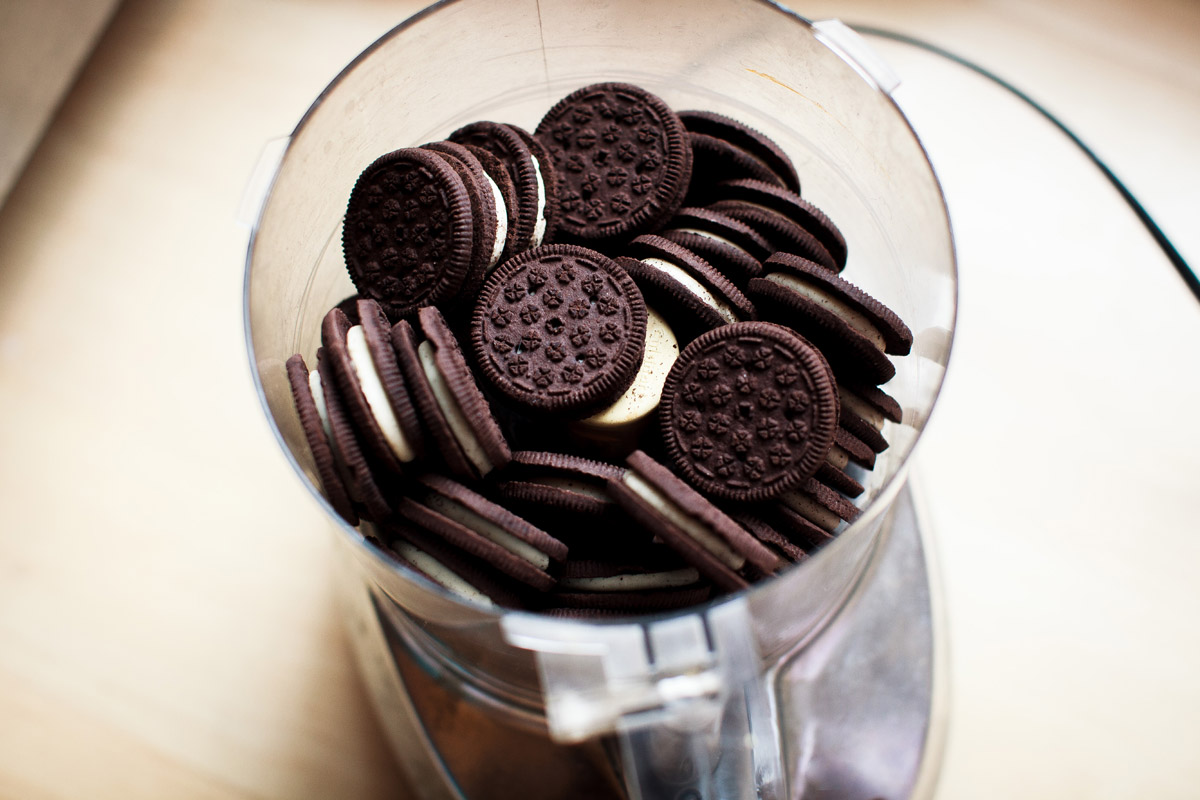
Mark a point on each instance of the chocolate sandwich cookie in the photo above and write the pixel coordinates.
(749, 411)
(691, 525)
(693, 295)
(769, 534)
(734, 248)
(491, 231)
(469, 578)
(819, 505)
(372, 389)
(635, 588)
(849, 449)
(308, 395)
(504, 194)
(524, 168)
(623, 161)
(791, 205)
(409, 233)
(358, 475)
(837, 477)
(559, 329)
(457, 396)
(715, 160)
(853, 329)
(749, 140)
(483, 529)
(783, 234)
(558, 480)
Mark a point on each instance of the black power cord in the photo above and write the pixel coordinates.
(1172, 254)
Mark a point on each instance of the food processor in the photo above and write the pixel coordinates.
(825, 681)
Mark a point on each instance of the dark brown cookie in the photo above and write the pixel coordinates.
(445, 445)
(561, 481)
(309, 404)
(484, 530)
(546, 225)
(471, 579)
(753, 142)
(489, 233)
(820, 505)
(559, 329)
(377, 332)
(734, 263)
(507, 145)
(715, 160)
(409, 233)
(691, 525)
(504, 194)
(623, 161)
(749, 411)
(839, 479)
(784, 235)
(792, 206)
(769, 534)
(722, 227)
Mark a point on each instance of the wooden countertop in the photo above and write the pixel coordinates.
(167, 618)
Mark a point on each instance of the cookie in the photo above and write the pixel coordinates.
(719, 227)
(853, 329)
(458, 397)
(491, 230)
(523, 168)
(783, 234)
(715, 160)
(748, 139)
(692, 295)
(749, 411)
(377, 332)
(791, 205)
(769, 535)
(360, 385)
(483, 529)
(504, 194)
(731, 261)
(309, 398)
(690, 524)
(623, 161)
(558, 480)
(408, 236)
(559, 329)
(634, 586)
(839, 479)
(819, 505)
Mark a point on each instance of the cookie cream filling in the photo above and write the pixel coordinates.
(677, 516)
(715, 238)
(318, 394)
(376, 395)
(576, 485)
(856, 405)
(838, 457)
(826, 301)
(680, 276)
(486, 528)
(539, 225)
(459, 426)
(501, 222)
(633, 581)
(441, 574)
(811, 510)
(642, 396)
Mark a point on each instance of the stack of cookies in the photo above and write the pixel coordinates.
(607, 367)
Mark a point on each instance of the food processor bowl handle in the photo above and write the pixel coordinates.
(687, 698)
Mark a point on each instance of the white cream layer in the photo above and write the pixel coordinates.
(856, 405)
(318, 394)
(501, 222)
(487, 529)
(446, 401)
(575, 485)
(642, 396)
(826, 301)
(811, 510)
(838, 457)
(680, 276)
(539, 226)
(693, 528)
(633, 582)
(441, 574)
(376, 395)
(715, 238)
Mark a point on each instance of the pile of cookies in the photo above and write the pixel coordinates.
(606, 367)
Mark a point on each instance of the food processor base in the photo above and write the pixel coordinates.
(871, 688)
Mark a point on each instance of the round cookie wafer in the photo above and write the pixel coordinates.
(408, 235)
(490, 231)
(508, 146)
(377, 333)
(504, 195)
(458, 396)
(360, 479)
(734, 263)
(792, 206)
(559, 329)
(839, 479)
(752, 141)
(560, 481)
(715, 160)
(309, 400)
(749, 411)
(546, 225)
(470, 578)
(783, 234)
(819, 505)
(623, 161)
(446, 446)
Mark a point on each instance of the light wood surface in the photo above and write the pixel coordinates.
(167, 620)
